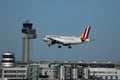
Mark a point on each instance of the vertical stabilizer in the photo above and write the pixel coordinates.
(85, 34)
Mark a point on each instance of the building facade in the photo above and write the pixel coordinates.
(12, 70)
(15, 73)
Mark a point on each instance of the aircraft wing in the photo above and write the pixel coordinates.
(56, 40)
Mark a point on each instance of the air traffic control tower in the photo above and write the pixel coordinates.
(29, 34)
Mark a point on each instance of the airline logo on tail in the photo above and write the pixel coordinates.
(85, 34)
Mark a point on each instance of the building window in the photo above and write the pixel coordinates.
(9, 71)
(8, 61)
(8, 56)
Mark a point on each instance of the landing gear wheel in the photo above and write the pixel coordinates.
(69, 47)
(59, 46)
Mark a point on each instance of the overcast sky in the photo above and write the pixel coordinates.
(62, 17)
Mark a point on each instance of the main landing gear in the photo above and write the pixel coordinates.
(69, 47)
(59, 46)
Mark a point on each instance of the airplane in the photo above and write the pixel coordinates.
(66, 40)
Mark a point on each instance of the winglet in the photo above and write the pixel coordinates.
(85, 34)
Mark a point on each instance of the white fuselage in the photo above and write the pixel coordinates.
(64, 39)
(67, 41)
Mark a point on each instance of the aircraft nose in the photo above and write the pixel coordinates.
(45, 39)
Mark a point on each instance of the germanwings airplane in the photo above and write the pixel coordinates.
(67, 41)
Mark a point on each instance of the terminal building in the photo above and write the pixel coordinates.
(56, 70)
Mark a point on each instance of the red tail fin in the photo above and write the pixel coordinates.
(85, 34)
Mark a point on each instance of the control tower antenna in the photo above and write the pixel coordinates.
(29, 33)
